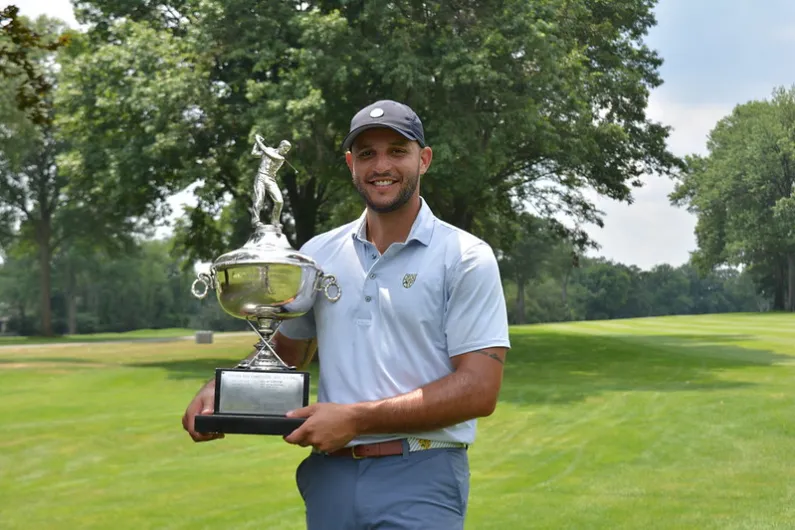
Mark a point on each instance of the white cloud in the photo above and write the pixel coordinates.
(691, 123)
(651, 231)
(177, 204)
(61, 9)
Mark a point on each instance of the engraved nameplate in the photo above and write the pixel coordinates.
(259, 392)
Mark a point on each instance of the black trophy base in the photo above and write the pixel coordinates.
(246, 424)
(255, 401)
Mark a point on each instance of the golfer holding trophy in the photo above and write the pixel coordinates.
(411, 349)
(264, 282)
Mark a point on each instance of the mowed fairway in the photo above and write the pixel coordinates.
(676, 422)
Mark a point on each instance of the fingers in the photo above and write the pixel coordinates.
(300, 436)
(197, 406)
(303, 412)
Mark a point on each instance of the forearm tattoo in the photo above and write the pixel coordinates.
(491, 355)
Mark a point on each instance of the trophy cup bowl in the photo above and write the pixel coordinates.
(265, 279)
(263, 282)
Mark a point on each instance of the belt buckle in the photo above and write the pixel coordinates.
(354, 455)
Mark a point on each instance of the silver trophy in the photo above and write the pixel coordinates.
(264, 282)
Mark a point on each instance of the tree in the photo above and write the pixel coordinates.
(742, 193)
(41, 207)
(669, 291)
(543, 246)
(30, 184)
(525, 103)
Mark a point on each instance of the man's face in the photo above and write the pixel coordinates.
(386, 168)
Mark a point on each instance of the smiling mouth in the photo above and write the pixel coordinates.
(382, 183)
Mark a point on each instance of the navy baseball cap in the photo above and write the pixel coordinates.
(390, 114)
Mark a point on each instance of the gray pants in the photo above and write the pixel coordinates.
(425, 490)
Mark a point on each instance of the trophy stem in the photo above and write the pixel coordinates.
(265, 357)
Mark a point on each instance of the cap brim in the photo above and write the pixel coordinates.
(346, 144)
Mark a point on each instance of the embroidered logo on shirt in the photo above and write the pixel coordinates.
(408, 280)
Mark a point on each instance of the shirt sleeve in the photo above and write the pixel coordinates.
(300, 328)
(476, 315)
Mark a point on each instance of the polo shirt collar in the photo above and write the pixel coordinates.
(421, 231)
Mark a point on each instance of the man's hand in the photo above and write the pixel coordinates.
(329, 426)
(203, 403)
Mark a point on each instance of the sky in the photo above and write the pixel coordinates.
(717, 54)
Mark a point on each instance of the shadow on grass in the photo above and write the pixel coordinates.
(49, 360)
(80, 339)
(557, 367)
(201, 369)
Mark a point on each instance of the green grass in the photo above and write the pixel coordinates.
(676, 422)
(99, 337)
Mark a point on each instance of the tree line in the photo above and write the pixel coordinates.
(526, 104)
(146, 288)
(550, 277)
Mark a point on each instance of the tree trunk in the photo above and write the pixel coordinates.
(564, 288)
(44, 237)
(779, 292)
(520, 303)
(71, 299)
(46, 287)
(303, 207)
(21, 327)
(791, 282)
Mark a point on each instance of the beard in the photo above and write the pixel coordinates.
(408, 186)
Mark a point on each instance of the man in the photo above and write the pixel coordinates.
(265, 181)
(410, 355)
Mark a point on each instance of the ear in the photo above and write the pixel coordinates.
(426, 155)
(349, 160)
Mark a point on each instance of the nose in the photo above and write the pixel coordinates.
(382, 164)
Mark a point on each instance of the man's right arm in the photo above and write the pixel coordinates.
(294, 352)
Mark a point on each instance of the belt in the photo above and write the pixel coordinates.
(391, 448)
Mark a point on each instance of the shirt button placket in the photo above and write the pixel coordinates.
(370, 286)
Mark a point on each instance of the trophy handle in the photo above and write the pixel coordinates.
(205, 280)
(328, 283)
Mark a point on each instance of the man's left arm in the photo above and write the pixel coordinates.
(476, 328)
(471, 391)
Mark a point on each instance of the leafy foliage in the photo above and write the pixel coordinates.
(743, 193)
(525, 104)
(19, 44)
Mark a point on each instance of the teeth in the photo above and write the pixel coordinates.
(382, 182)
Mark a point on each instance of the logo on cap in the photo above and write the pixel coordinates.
(376, 113)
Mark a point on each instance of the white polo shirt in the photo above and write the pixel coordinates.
(402, 315)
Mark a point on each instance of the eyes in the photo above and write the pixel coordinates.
(393, 151)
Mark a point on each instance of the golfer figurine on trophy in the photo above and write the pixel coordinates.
(264, 282)
(265, 181)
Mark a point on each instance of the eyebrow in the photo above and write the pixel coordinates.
(397, 143)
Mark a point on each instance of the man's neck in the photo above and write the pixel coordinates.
(383, 229)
